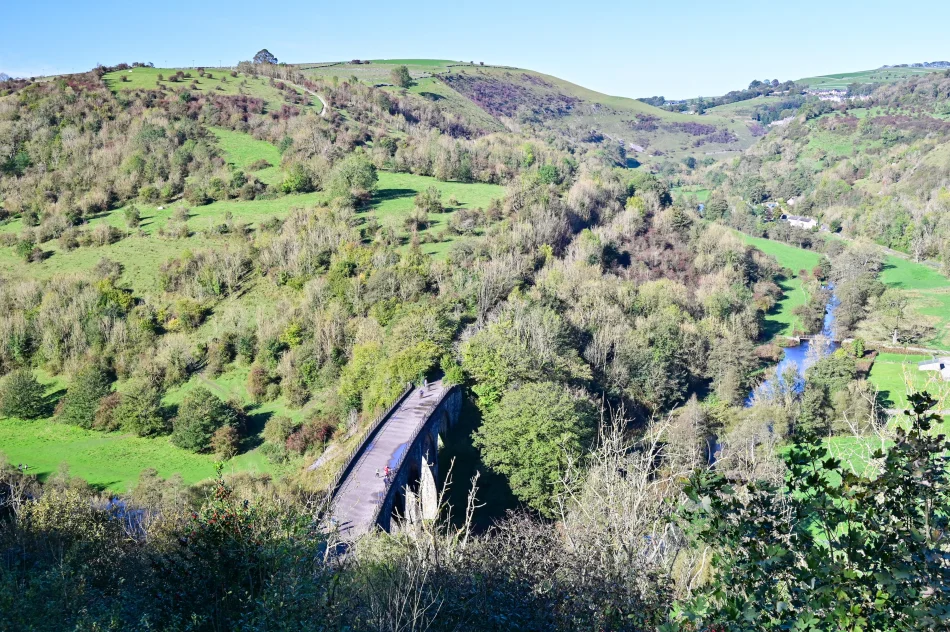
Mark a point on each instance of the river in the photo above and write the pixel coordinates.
(801, 354)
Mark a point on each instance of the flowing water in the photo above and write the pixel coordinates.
(801, 357)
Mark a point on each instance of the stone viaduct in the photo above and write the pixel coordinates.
(406, 440)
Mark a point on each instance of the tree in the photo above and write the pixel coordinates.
(225, 442)
(82, 399)
(401, 77)
(531, 435)
(264, 56)
(22, 396)
(199, 416)
(354, 176)
(830, 549)
(140, 411)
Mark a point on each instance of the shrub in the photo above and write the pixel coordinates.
(22, 396)
(257, 381)
(225, 442)
(104, 418)
(314, 433)
(140, 411)
(132, 217)
(81, 402)
(353, 177)
(278, 428)
(199, 416)
(297, 180)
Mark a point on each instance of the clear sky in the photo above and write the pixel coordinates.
(628, 48)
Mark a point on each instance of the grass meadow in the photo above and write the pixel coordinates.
(781, 321)
(221, 82)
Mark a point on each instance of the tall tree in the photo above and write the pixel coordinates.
(530, 436)
(264, 56)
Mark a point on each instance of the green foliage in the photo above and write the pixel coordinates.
(400, 76)
(81, 402)
(831, 549)
(297, 180)
(352, 177)
(140, 410)
(21, 395)
(503, 353)
(199, 416)
(530, 435)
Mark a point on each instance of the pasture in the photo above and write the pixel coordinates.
(781, 321)
(929, 293)
(896, 375)
(841, 81)
(113, 460)
(221, 82)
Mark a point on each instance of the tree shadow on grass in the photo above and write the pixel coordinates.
(254, 427)
(51, 401)
(383, 195)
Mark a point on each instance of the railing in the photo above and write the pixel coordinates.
(380, 502)
(367, 434)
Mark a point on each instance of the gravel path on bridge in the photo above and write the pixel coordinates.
(355, 504)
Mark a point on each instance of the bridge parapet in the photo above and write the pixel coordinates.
(403, 441)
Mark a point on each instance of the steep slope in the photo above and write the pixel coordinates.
(628, 130)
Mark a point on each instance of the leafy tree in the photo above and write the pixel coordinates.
(354, 176)
(830, 549)
(199, 416)
(140, 411)
(297, 180)
(82, 399)
(530, 435)
(264, 56)
(22, 396)
(401, 77)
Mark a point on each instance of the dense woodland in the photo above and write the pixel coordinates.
(608, 335)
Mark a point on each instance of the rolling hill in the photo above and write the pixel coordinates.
(501, 97)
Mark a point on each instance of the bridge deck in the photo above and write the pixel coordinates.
(355, 503)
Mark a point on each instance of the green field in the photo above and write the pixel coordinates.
(113, 460)
(929, 292)
(395, 197)
(242, 150)
(221, 83)
(840, 81)
(781, 321)
(896, 375)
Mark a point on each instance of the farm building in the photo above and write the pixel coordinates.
(800, 221)
(937, 364)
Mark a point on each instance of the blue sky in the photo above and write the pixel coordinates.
(633, 48)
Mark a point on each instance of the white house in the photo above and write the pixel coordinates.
(937, 364)
(800, 221)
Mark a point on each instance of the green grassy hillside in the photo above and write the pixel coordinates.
(499, 97)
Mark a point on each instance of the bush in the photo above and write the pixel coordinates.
(140, 411)
(257, 381)
(104, 418)
(316, 432)
(81, 402)
(199, 416)
(278, 428)
(132, 217)
(353, 177)
(297, 180)
(22, 396)
(225, 442)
